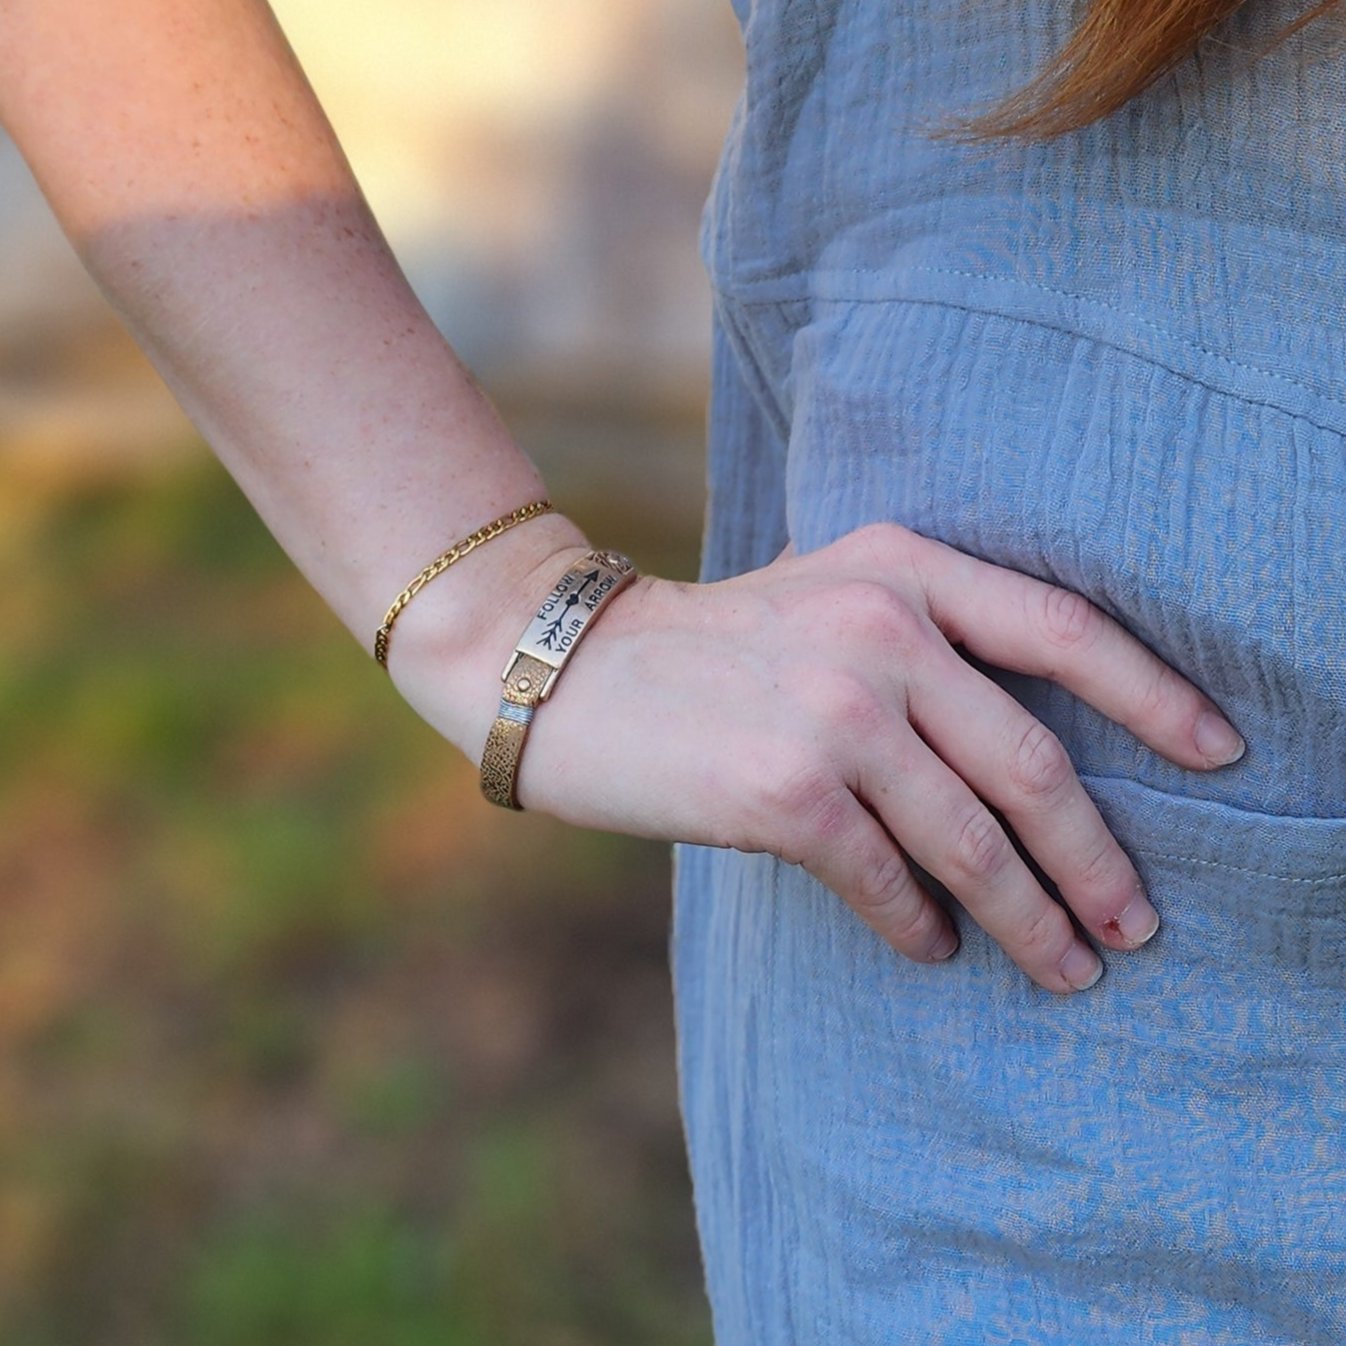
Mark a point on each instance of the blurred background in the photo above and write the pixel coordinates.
(301, 1041)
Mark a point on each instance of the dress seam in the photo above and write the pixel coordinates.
(805, 294)
(1238, 869)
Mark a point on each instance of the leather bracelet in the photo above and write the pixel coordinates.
(542, 651)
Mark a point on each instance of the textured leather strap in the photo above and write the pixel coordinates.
(504, 744)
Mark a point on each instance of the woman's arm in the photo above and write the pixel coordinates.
(815, 709)
(190, 164)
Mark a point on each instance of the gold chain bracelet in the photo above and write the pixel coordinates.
(442, 562)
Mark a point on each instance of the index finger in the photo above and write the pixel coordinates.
(1025, 624)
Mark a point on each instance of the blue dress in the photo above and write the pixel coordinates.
(1115, 361)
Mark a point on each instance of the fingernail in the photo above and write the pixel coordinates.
(1217, 740)
(1138, 921)
(1081, 967)
(945, 947)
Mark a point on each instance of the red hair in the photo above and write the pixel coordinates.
(1118, 49)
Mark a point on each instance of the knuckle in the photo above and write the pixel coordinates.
(981, 849)
(882, 895)
(846, 701)
(804, 803)
(1105, 866)
(1069, 620)
(888, 539)
(826, 817)
(1040, 764)
(880, 614)
(1159, 691)
(1045, 936)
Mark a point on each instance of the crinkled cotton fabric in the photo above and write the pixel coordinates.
(1115, 361)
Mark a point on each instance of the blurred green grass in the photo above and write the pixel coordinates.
(302, 1042)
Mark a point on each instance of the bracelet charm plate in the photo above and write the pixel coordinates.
(566, 612)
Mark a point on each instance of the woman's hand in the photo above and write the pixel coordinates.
(816, 709)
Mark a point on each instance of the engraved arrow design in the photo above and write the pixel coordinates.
(552, 631)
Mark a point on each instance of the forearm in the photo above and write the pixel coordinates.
(189, 163)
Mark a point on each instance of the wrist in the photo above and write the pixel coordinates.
(453, 639)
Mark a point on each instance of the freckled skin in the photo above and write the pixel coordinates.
(190, 164)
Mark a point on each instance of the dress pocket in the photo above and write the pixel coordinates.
(1253, 907)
